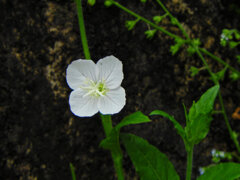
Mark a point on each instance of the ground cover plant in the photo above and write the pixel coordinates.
(97, 88)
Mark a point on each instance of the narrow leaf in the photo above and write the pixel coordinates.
(200, 116)
(222, 171)
(149, 162)
(134, 118)
(177, 126)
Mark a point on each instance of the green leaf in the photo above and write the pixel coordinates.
(223, 171)
(149, 162)
(177, 126)
(200, 116)
(233, 44)
(112, 140)
(91, 2)
(134, 118)
(143, 1)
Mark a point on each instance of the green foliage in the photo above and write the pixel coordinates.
(234, 76)
(72, 171)
(149, 162)
(217, 156)
(222, 171)
(228, 36)
(220, 75)
(107, 3)
(158, 19)
(91, 2)
(194, 71)
(134, 118)
(112, 141)
(143, 1)
(177, 126)
(178, 43)
(200, 116)
(150, 33)
(238, 58)
(195, 43)
(130, 24)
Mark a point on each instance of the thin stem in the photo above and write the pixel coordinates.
(106, 119)
(221, 102)
(116, 151)
(82, 30)
(72, 171)
(172, 17)
(107, 124)
(144, 20)
(207, 67)
(189, 162)
(219, 60)
(227, 123)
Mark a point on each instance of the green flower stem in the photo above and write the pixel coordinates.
(82, 30)
(144, 20)
(107, 124)
(189, 162)
(116, 151)
(219, 60)
(172, 17)
(106, 119)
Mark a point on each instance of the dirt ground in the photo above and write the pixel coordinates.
(39, 136)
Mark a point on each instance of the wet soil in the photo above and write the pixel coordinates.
(39, 136)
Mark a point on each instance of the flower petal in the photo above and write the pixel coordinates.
(110, 70)
(80, 70)
(113, 101)
(82, 106)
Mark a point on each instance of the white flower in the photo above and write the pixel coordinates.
(96, 87)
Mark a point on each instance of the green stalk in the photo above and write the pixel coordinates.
(106, 119)
(116, 151)
(82, 30)
(189, 162)
(235, 141)
(72, 171)
(144, 20)
(172, 17)
(228, 124)
(219, 60)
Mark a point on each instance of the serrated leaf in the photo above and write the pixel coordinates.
(149, 162)
(177, 126)
(134, 118)
(222, 171)
(200, 116)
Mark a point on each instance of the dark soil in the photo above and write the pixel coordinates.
(39, 136)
